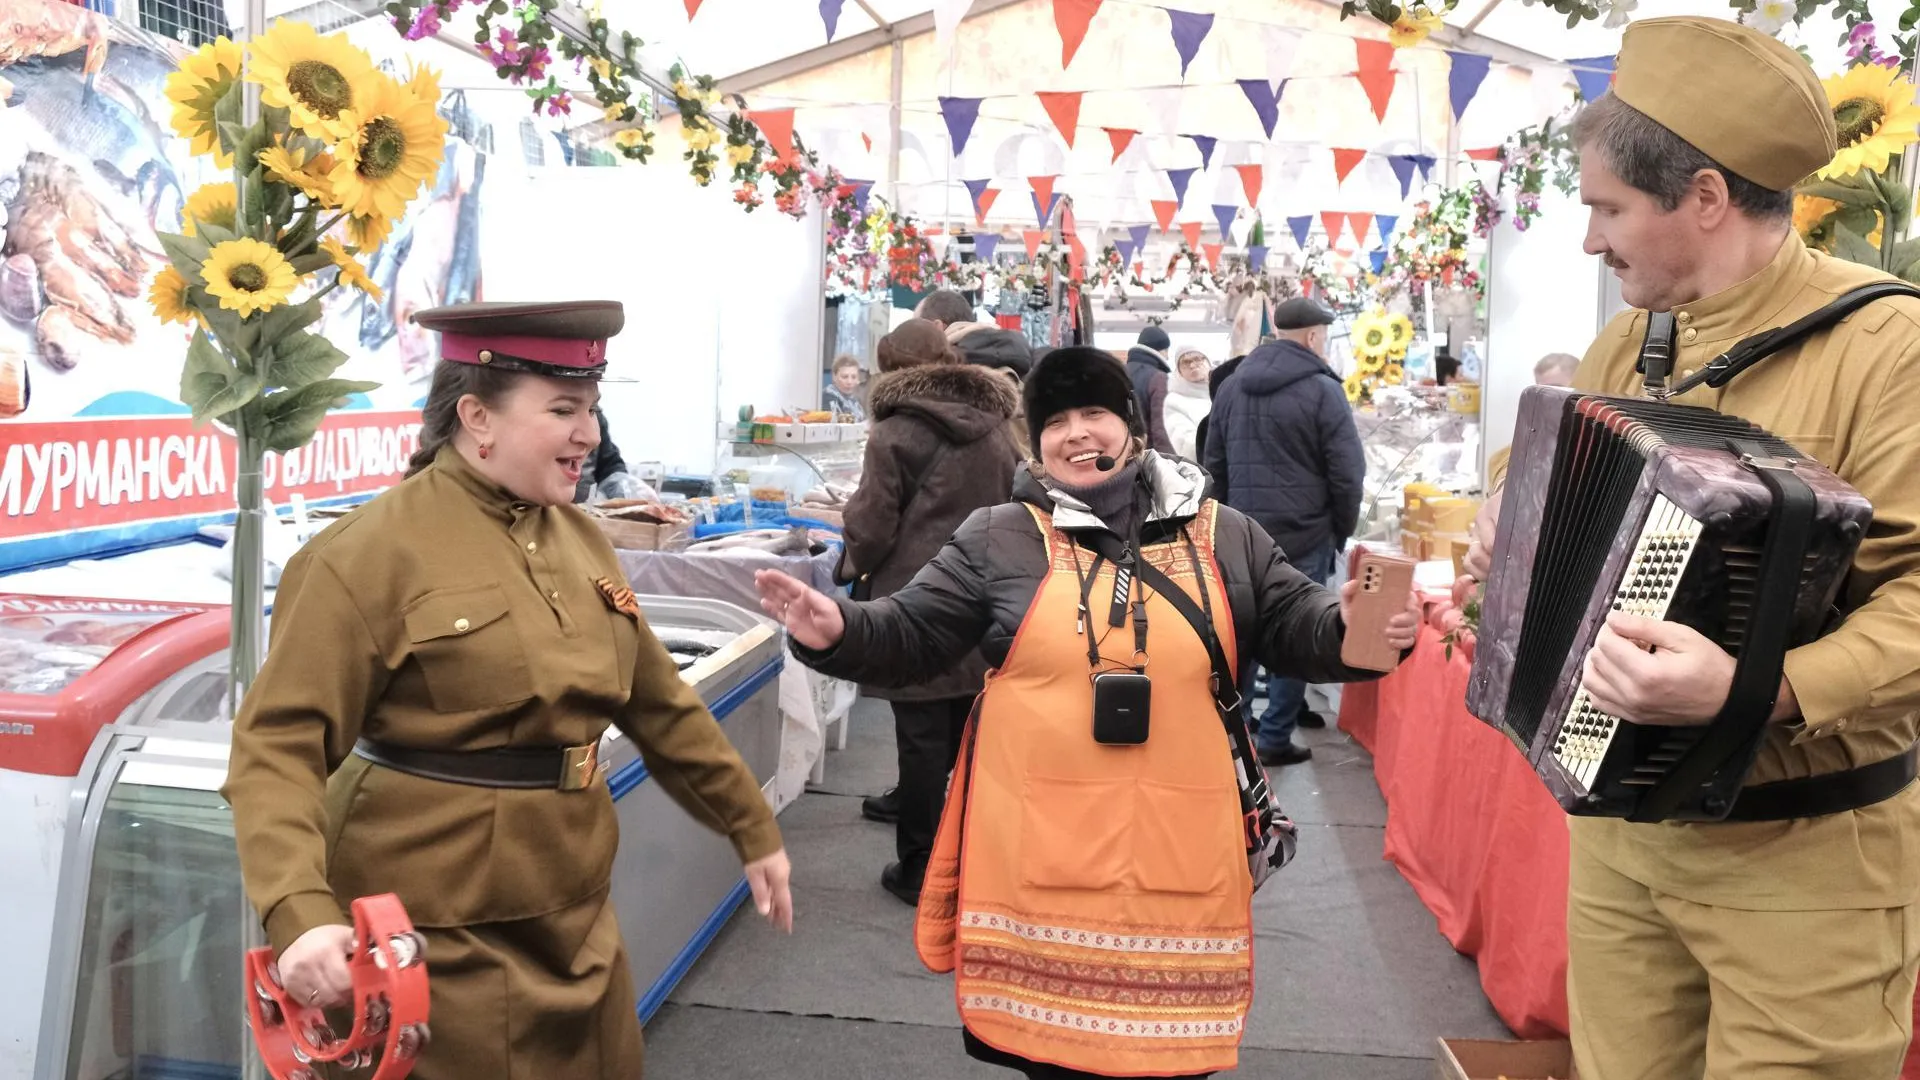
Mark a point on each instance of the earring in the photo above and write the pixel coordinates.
(485, 449)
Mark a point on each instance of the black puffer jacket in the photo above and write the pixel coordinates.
(1282, 442)
(976, 592)
(937, 451)
(1149, 371)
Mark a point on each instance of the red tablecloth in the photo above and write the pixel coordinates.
(1475, 833)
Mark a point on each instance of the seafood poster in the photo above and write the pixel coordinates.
(96, 451)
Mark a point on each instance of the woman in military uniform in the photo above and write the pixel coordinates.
(444, 663)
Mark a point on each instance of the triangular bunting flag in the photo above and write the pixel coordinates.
(1165, 102)
(777, 126)
(1376, 73)
(1281, 43)
(861, 189)
(1594, 74)
(1386, 223)
(1225, 214)
(693, 8)
(984, 245)
(959, 113)
(1463, 80)
(1042, 196)
(974, 188)
(1033, 238)
(1251, 177)
(1138, 234)
(1125, 248)
(1189, 30)
(1257, 258)
(868, 140)
(1402, 171)
(1358, 223)
(1044, 212)
(1265, 98)
(830, 14)
(1300, 227)
(1190, 232)
(1485, 153)
(1426, 163)
(1163, 210)
(1378, 257)
(1334, 221)
(1179, 178)
(983, 204)
(1345, 160)
(1064, 107)
(1072, 17)
(946, 19)
(1121, 139)
(1213, 255)
(1206, 144)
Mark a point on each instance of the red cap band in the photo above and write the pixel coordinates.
(560, 352)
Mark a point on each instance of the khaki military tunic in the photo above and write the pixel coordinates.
(1806, 927)
(448, 615)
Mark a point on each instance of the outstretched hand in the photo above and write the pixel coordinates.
(772, 896)
(1403, 629)
(812, 619)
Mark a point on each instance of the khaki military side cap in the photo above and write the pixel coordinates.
(1737, 95)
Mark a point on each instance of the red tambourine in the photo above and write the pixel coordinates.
(389, 967)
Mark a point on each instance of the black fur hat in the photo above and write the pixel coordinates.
(1074, 378)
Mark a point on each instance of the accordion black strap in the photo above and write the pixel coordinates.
(1750, 351)
(1829, 793)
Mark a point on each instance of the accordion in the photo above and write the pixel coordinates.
(1668, 512)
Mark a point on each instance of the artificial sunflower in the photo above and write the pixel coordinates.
(424, 83)
(1399, 333)
(310, 171)
(1354, 384)
(1810, 214)
(196, 89)
(393, 145)
(316, 79)
(1874, 111)
(214, 204)
(248, 275)
(351, 271)
(1370, 336)
(367, 233)
(169, 298)
(1392, 374)
(1371, 363)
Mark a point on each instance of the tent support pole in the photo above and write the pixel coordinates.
(893, 122)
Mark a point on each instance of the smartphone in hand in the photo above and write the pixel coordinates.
(1385, 580)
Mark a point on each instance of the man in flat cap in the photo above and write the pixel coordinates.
(1778, 944)
(1282, 442)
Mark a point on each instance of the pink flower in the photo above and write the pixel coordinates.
(425, 24)
(560, 104)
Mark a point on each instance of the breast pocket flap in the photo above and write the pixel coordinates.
(455, 613)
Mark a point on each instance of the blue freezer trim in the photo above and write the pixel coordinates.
(106, 541)
(656, 994)
(634, 773)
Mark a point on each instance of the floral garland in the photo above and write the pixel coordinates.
(1531, 159)
(1433, 246)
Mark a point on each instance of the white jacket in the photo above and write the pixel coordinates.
(1186, 403)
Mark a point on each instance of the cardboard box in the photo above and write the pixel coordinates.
(1486, 1059)
(1413, 544)
(643, 535)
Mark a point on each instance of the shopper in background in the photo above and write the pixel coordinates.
(1059, 839)
(1147, 368)
(1283, 435)
(445, 660)
(1004, 351)
(1188, 401)
(842, 394)
(1555, 369)
(937, 450)
(1215, 380)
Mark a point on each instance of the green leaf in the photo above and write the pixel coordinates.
(188, 253)
(211, 385)
(228, 111)
(1853, 247)
(214, 235)
(1906, 252)
(1849, 190)
(292, 416)
(307, 264)
(240, 337)
(303, 359)
(288, 319)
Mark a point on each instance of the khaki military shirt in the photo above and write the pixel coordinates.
(448, 615)
(1851, 399)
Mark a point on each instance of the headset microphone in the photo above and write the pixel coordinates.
(1104, 463)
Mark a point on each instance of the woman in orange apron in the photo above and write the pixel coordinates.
(1089, 886)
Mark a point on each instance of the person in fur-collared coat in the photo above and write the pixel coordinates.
(937, 450)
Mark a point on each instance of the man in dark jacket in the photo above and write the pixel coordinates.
(938, 450)
(1147, 367)
(1215, 381)
(1283, 439)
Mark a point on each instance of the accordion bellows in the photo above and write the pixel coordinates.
(1655, 509)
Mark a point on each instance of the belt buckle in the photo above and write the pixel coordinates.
(579, 766)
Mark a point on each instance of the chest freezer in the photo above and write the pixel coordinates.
(142, 932)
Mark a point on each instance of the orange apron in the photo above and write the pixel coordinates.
(1095, 900)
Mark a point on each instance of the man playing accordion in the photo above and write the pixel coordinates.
(1751, 949)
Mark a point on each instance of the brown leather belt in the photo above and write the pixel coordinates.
(1830, 793)
(564, 768)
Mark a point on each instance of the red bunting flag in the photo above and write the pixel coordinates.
(1163, 212)
(1064, 108)
(1345, 160)
(1213, 254)
(1033, 238)
(1251, 177)
(1043, 190)
(1358, 223)
(1333, 220)
(1072, 17)
(983, 204)
(868, 139)
(1121, 139)
(777, 126)
(1486, 153)
(693, 8)
(1191, 231)
(1376, 73)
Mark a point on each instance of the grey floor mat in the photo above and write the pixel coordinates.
(1352, 978)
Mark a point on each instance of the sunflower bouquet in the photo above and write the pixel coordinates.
(338, 151)
(1380, 344)
(1856, 207)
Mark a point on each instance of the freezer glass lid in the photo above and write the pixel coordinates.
(44, 653)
